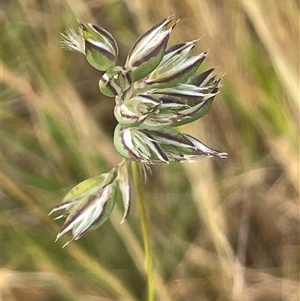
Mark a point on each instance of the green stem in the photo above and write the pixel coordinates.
(145, 228)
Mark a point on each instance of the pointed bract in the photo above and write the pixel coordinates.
(148, 51)
(97, 44)
(163, 145)
(101, 49)
(133, 111)
(88, 205)
(176, 66)
(124, 189)
(115, 81)
(158, 108)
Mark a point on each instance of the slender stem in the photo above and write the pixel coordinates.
(145, 228)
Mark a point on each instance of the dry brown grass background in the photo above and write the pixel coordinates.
(221, 229)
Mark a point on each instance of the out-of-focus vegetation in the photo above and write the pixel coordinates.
(221, 229)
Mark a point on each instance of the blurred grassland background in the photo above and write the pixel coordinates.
(221, 229)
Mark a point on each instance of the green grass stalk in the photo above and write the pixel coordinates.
(145, 228)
